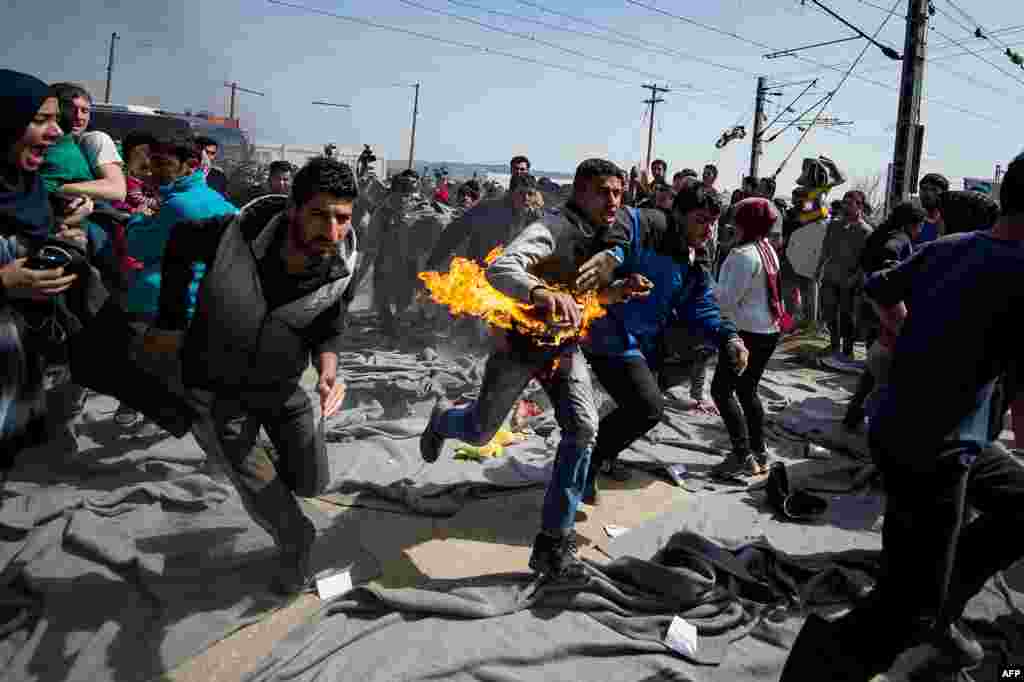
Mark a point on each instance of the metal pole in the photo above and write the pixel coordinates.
(415, 113)
(110, 66)
(909, 112)
(755, 146)
(234, 94)
(650, 129)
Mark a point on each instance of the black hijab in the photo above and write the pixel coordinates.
(24, 204)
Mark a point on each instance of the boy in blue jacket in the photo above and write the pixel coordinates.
(184, 197)
(622, 347)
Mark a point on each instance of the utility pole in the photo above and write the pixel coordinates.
(650, 130)
(909, 132)
(235, 87)
(755, 143)
(110, 66)
(415, 114)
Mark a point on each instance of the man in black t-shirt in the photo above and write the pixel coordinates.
(959, 304)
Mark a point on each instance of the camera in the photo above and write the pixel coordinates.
(49, 258)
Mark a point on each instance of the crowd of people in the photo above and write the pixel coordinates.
(128, 252)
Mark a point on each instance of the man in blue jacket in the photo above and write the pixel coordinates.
(622, 347)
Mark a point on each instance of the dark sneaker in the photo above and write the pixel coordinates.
(854, 418)
(431, 441)
(295, 575)
(555, 557)
(736, 466)
(616, 471)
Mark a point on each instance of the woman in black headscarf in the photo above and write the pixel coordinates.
(28, 127)
(46, 308)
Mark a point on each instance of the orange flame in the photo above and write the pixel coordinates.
(465, 291)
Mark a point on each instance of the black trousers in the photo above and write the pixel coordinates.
(639, 404)
(919, 518)
(229, 431)
(735, 395)
(837, 306)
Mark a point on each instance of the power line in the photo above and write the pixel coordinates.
(832, 95)
(525, 36)
(704, 26)
(633, 42)
(990, 63)
(446, 41)
(818, 64)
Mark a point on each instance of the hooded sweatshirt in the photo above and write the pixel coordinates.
(25, 220)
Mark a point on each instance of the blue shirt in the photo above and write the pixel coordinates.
(964, 300)
(683, 293)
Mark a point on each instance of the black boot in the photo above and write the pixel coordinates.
(555, 556)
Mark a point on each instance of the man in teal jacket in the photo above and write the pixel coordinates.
(185, 197)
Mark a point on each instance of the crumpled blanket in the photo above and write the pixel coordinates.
(513, 626)
(121, 557)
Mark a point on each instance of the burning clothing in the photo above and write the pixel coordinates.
(551, 251)
(546, 253)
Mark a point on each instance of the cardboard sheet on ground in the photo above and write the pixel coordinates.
(124, 559)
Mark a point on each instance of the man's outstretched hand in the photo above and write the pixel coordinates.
(634, 286)
(597, 272)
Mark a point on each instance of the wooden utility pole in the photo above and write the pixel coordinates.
(415, 114)
(650, 130)
(235, 87)
(110, 66)
(909, 131)
(755, 142)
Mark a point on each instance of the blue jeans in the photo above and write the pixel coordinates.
(506, 376)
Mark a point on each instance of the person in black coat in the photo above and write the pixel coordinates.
(888, 245)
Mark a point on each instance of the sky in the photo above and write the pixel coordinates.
(485, 107)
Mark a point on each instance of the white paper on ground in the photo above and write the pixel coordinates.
(615, 531)
(682, 637)
(333, 584)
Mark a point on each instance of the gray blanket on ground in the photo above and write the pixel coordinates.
(511, 627)
(851, 525)
(126, 557)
